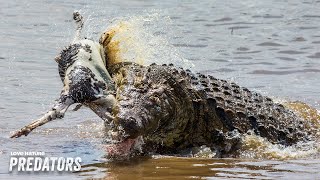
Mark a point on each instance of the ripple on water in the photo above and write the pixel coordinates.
(311, 16)
(316, 55)
(199, 20)
(223, 19)
(250, 63)
(299, 39)
(247, 52)
(269, 44)
(190, 45)
(239, 27)
(41, 24)
(232, 24)
(219, 60)
(268, 16)
(308, 47)
(224, 70)
(308, 27)
(242, 57)
(268, 72)
(291, 52)
(287, 59)
(243, 49)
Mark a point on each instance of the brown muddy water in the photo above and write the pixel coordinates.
(272, 47)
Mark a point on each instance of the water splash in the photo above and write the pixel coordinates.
(258, 147)
(305, 112)
(143, 39)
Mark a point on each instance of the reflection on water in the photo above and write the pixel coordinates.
(159, 167)
(268, 46)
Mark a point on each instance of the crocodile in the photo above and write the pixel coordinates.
(170, 109)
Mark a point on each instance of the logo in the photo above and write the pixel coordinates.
(38, 162)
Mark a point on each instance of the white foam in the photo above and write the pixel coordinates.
(145, 39)
(257, 147)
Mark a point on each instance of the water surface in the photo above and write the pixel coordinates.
(272, 47)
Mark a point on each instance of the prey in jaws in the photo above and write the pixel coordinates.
(169, 108)
(85, 79)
